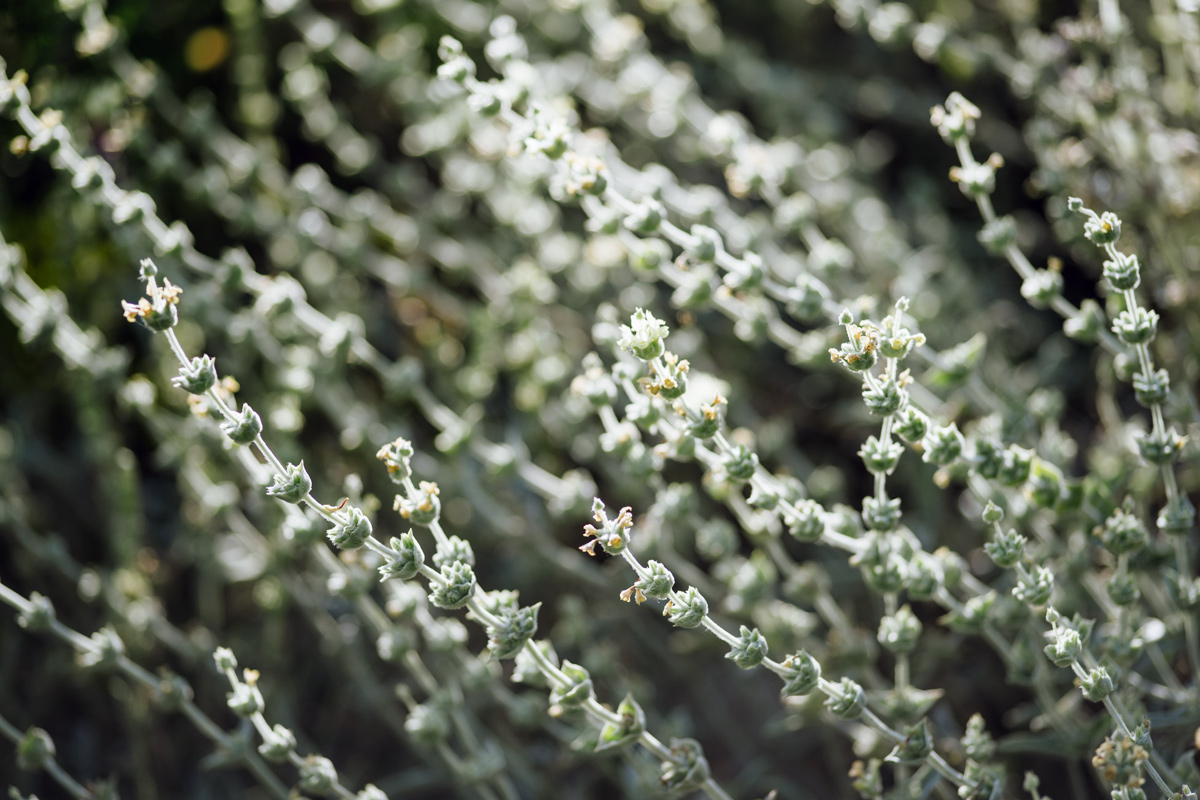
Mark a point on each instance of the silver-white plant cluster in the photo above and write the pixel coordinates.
(427, 289)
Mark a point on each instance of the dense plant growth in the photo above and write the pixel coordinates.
(855, 343)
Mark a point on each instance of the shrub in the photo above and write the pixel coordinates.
(904, 470)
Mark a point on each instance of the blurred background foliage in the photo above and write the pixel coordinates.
(310, 141)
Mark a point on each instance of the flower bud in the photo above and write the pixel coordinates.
(244, 428)
(1136, 326)
(35, 750)
(1123, 532)
(884, 397)
(975, 180)
(848, 700)
(1006, 548)
(806, 300)
(1065, 646)
(1034, 588)
(740, 465)
(705, 245)
(807, 522)
(456, 66)
(910, 424)
(916, 747)
(292, 486)
(689, 611)
(246, 700)
(943, 445)
(621, 734)
(709, 422)
(749, 650)
(1042, 286)
(392, 644)
(39, 615)
(451, 550)
(107, 650)
(881, 514)
(643, 336)
(277, 744)
(657, 582)
(351, 531)
(880, 457)
(955, 120)
(224, 658)
(428, 726)
(1152, 389)
(575, 693)
(1045, 486)
(1015, 466)
(1161, 449)
(1086, 324)
(972, 616)
(802, 674)
(197, 377)
(688, 769)
(650, 254)
(899, 632)
(1103, 229)
(1123, 273)
(456, 587)
(645, 217)
(1177, 516)
(613, 534)
(397, 457)
(172, 692)
(998, 235)
(514, 628)
(423, 508)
